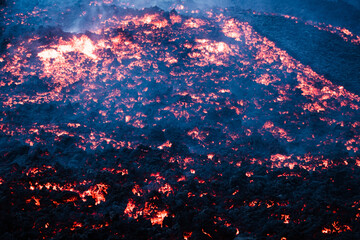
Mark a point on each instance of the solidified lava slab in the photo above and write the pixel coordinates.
(158, 125)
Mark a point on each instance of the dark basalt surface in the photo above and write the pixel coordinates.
(314, 199)
(329, 55)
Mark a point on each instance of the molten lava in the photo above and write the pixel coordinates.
(158, 125)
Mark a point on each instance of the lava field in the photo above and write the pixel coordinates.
(176, 124)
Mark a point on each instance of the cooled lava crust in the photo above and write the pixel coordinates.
(158, 125)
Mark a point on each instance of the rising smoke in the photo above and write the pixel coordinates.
(68, 14)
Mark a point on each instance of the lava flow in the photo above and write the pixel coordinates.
(161, 125)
